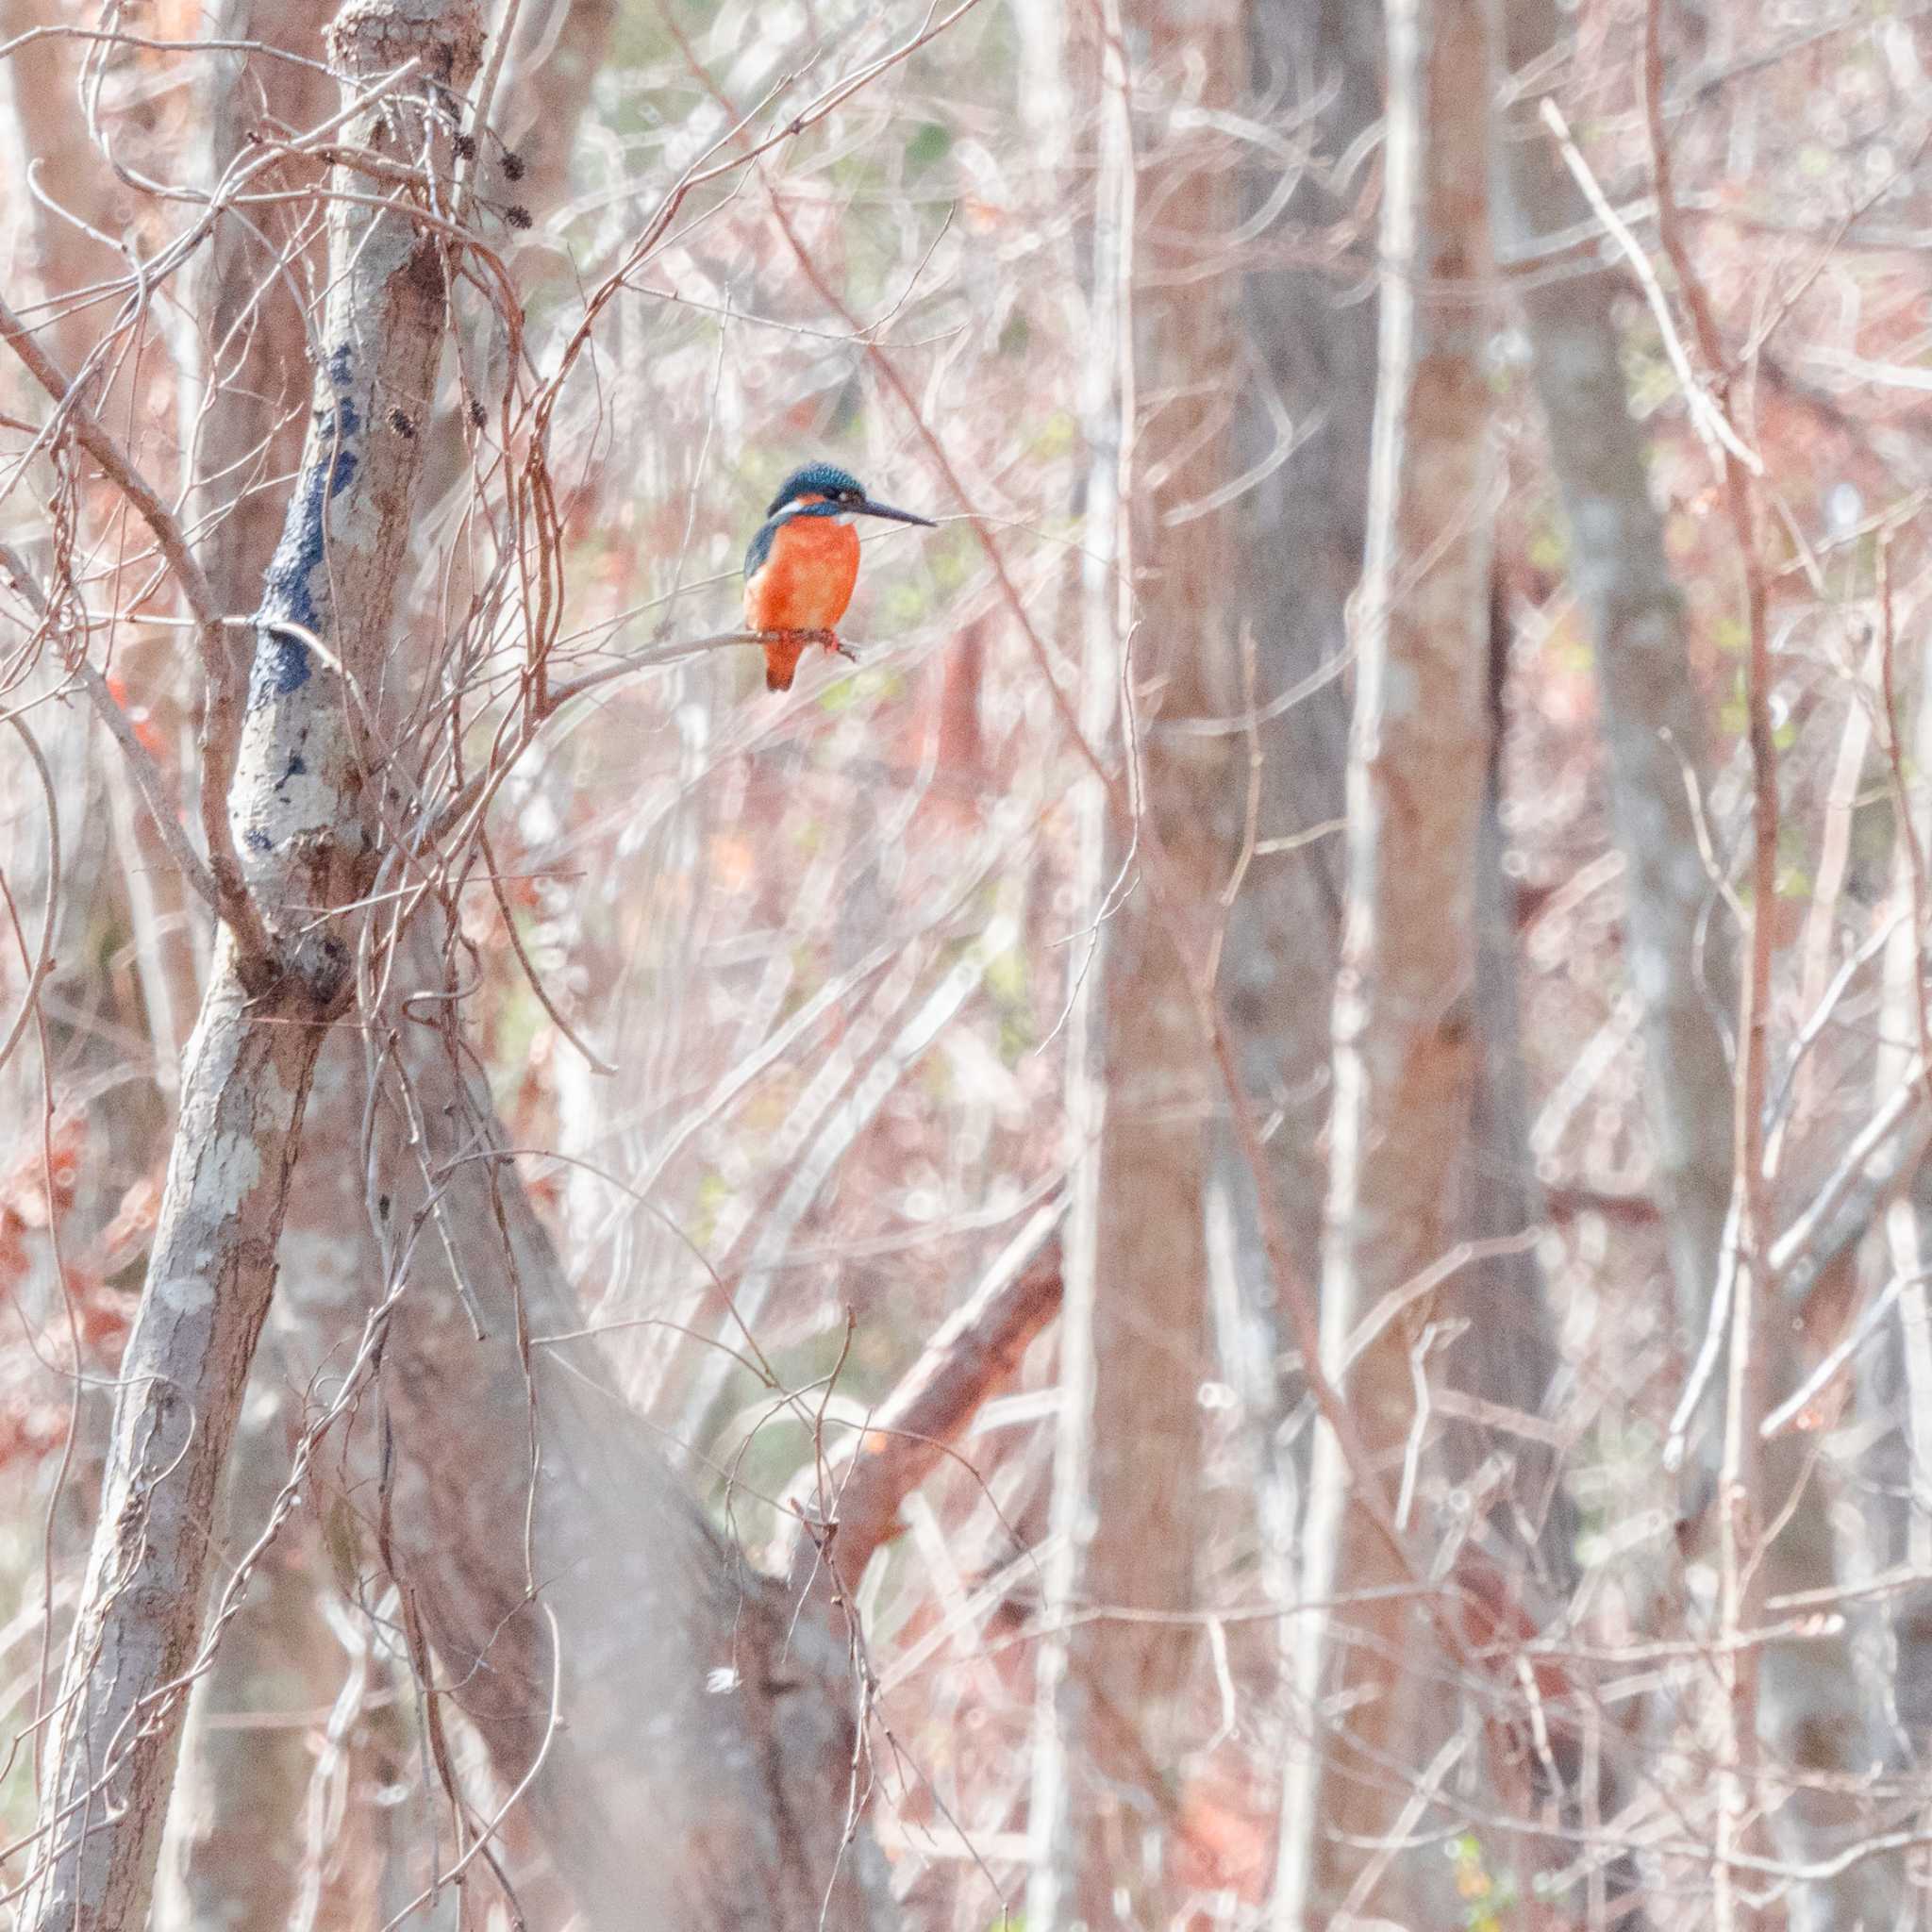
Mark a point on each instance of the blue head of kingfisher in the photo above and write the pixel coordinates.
(804, 561)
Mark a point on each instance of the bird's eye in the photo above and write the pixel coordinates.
(852, 496)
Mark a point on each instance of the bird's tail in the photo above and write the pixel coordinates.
(781, 662)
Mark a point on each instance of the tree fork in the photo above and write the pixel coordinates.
(306, 834)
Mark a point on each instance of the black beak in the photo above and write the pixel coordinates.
(870, 508)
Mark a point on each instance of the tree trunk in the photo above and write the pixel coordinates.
(1653, 720)
(1510, 1510)
(55, 258)
(255, 1719)
(1677, 960)
(697, 1731)
(1310, 382)
(1404, 1019)
(251, 388)
(63, 256)
(1127, 1499)
(253, 376)
(297, 805)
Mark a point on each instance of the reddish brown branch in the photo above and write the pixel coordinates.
(848, 1505)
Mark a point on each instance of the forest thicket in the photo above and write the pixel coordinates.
(1231, 1237)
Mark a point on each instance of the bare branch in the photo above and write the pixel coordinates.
(848, 1507)
(223, 676)
(302, 800)
(147, 776)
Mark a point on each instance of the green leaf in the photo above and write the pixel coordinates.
(932, 143)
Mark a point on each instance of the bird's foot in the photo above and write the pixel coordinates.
(783, 649)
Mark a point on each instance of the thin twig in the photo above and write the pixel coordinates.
(43, 960)
(1706, 417)
(1741, 1472)
(225, 686)
(147, 775)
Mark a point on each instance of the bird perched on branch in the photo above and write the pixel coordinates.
(803, 563)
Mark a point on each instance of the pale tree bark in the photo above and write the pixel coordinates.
(1894, 1388)
(555, 51)
(1104, 604)
(1513, 1363)
(254, 1720)
(281, 975)
(1404, 1020)
(66, 229)
(1301, 448)
(247, 403)
(1501, 1479)
(1891, 1556)
(1898, 1375)
(1819, 1725)
(251, 382)
(1498, 1492)
(1680, 960)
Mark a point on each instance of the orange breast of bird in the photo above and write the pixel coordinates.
(806, 582)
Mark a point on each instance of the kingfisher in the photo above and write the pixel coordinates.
(803, 563)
